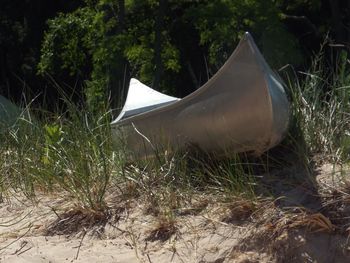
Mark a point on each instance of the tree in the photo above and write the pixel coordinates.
(173, 46)
(99, 35)
(22, 24)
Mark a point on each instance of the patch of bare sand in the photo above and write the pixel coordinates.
(24, 237)
(30, 233)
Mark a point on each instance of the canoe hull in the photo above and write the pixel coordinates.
(242, 108)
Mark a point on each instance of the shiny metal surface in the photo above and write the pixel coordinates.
(9, 112)
(141, 99)
(242, 108)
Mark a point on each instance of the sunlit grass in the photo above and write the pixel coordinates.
(71, 152)
(320, 110)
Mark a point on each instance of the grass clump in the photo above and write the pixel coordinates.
(78, 157)
(21, 156)
(70, 153)
(320, 109)
(164, 228)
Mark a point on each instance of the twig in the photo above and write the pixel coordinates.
(24, 251)
(23, 244)
(53, 209)
(14, 241)
(119, 229)
(81, 242)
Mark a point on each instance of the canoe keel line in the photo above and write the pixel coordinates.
(242, 108)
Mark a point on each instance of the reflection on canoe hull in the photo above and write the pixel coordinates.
(242, 108)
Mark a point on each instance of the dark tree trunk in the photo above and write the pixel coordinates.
(3, 71)
(159, 26)
(348, 21)
(121, 16)
(121, 84)
(116, 71)
(336, 21)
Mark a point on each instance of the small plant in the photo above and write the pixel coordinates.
(78, 157)
(72, 152)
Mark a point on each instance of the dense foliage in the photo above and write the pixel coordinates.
(173, 46)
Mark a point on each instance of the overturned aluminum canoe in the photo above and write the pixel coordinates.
(9, 112)
(242, 108)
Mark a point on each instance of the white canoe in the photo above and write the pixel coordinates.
(242, 108)
(9, 112)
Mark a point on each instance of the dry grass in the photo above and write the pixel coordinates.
(78, 220)
(300, 218)
(164, 229)
(239, 210)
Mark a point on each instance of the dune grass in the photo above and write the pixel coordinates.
(73, 153)
(320, 109)
(70, 152)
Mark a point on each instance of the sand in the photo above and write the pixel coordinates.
(29, 233)
(23, 238)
